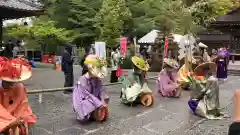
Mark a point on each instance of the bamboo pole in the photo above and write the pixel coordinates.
(62, 89)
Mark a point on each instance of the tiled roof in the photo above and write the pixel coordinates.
(233, 16)
(20, 5)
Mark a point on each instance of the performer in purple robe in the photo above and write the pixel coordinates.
(222, 64)
(90, 98)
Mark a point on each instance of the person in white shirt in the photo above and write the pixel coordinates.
(115, 62)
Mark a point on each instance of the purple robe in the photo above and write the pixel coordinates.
(166, 85)
(87, 95)
(222, 67)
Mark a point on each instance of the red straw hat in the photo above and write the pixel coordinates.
(14, 70)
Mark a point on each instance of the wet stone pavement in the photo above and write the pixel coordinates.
(165, 117)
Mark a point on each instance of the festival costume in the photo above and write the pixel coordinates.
(13, 101)
(204, 99)
(167, 83)
(89, 94)
(183, 73)
(136, 89)
(222, 64)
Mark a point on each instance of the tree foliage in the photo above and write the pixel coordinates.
(110, 20)
(42, 32)
(84, 21)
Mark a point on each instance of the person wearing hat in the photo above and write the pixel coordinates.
(67, 67)
(15, 112)
(222, 64)
(167, 83)
(90, 99)
(204, 97)
(136, 90)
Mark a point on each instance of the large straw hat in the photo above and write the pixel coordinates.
(14, 70)
(205, 66)
(140, 63)
(96, 66)
(172, 63)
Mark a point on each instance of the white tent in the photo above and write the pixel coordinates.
(149, 38)
(152, 35)
(177, 38)
(202, 45)
(20, 21)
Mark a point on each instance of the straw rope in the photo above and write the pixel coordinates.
(65, 88)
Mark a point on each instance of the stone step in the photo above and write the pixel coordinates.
(234, 72)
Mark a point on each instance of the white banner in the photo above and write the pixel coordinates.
(100, 49)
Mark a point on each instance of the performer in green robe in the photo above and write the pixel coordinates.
(135, 89)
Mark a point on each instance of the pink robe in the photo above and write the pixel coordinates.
(13, 105)
(165, 85)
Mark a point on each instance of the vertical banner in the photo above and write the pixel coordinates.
(100, 49)
(58, 63)
(166, 48)
(123, 45)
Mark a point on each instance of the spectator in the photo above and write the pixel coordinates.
(115, 61)
(8, 51)
(67, 67)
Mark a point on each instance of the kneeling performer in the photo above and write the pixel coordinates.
(90, 100)
(204, 100)
(167, 84)
(15, 113)
(136, 89)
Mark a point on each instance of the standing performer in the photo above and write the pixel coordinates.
(167, 83)
(136, 89)
(15, 113)
(115, 61)
(204, 99)
(90, 99)
(222, 65)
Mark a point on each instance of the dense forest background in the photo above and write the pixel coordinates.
(82, 22)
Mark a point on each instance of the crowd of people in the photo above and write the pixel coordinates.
(90, 97)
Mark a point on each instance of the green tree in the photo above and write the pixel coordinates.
(75, 15)
(41, 33)
(110, 20)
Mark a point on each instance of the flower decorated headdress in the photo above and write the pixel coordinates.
(96, 66)
(140, 63)
(172, 63)
(14, 70)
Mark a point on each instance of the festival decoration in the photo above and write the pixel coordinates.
(166, 48)
(123, 46)
(186, 46)
(100, 49)
(15, 69)
(58, 62)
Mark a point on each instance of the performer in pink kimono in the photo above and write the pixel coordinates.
(167, 83)
(90, 99)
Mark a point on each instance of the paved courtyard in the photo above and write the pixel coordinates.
(166, 117)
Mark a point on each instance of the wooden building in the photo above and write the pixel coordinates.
(14, 9)
(214, 39)
(224, 31)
